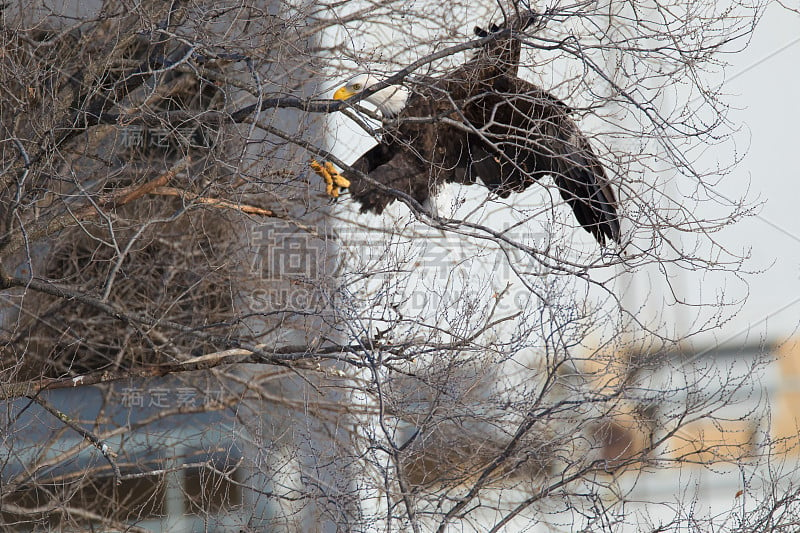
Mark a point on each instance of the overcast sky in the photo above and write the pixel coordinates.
(764, 84)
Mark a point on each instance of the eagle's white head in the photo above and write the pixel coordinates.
(389, 100)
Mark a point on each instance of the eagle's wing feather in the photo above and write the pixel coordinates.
(582, 182)
(402, 172)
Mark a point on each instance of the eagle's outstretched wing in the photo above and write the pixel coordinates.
(522, 134)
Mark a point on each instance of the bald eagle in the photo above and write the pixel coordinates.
(477, 123)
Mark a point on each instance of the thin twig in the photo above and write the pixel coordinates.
(86, 434)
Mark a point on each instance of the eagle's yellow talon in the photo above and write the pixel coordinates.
(333, 180)
(315, 166)
(338, 180)
(331, 190)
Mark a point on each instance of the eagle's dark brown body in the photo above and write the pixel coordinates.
(483, 122)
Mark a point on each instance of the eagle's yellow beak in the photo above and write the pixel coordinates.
(343, 93)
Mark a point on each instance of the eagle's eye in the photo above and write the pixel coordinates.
(357, 86)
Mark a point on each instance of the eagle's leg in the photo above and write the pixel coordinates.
(334, 181)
